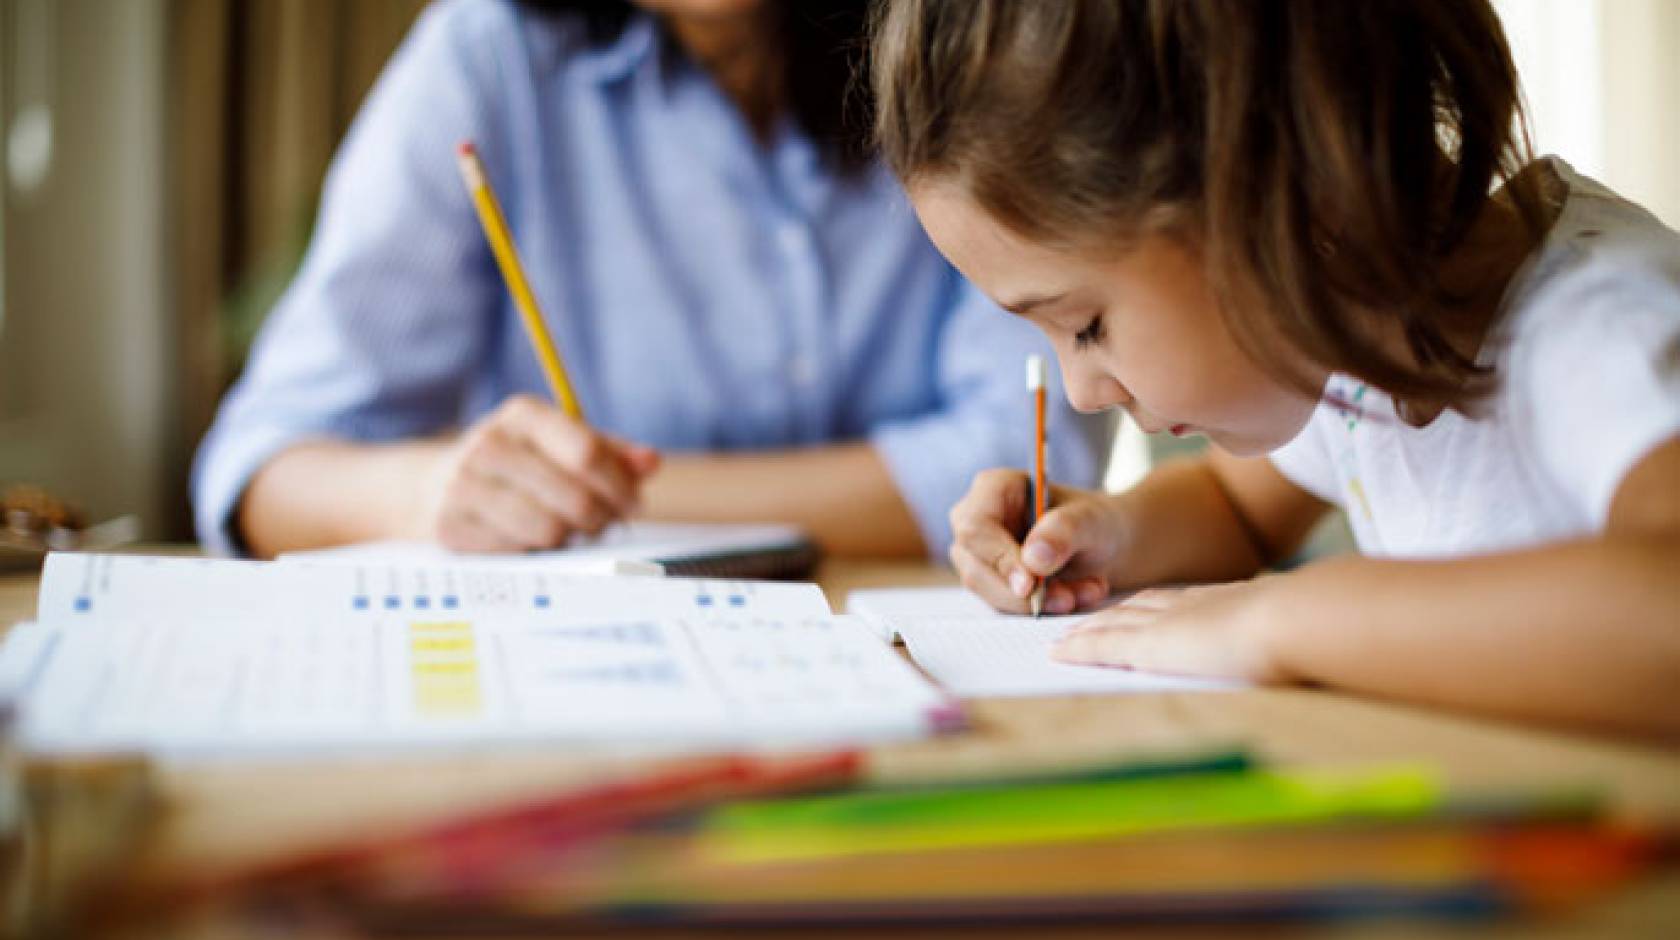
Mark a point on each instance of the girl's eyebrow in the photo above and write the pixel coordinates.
(1024, 305)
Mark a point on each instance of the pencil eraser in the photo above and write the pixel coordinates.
(1035, 372)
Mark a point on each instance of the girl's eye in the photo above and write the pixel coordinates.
(1090, 335)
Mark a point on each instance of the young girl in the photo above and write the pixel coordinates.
(1271, 224)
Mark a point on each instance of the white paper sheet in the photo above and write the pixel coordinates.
(974, 651)
(885, 608)
(207, 658)
(1003, 656)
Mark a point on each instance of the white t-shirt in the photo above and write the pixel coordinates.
(1587, 357)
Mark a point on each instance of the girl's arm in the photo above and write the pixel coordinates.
(1211, 518)
(1586, 632)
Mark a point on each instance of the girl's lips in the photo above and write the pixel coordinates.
(1179, 430)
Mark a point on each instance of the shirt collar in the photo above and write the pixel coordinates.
(619, 59)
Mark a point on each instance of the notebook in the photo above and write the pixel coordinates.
(689, 549)
(973, 651)
(180, 656)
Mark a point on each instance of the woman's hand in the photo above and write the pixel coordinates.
(1079, 541)
(1218, 630)
(526, 476)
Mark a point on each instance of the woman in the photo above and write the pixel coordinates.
(756, 325)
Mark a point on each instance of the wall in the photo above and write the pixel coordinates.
(86, 351)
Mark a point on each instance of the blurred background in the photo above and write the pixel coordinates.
(162, 158)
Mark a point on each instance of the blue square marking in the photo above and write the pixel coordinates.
(422, 602)
(704, 600)
(542, 601)
(83, 605)
(360, 602)
(451, 601)
(392, 602)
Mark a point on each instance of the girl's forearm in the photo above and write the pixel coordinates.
(1180, 526)
(1585, 633)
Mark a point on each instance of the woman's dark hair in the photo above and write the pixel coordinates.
(1325, 156)
(822, 49)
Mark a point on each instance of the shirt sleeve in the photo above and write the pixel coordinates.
(984, 418)
(393, 305)
(1596, 383)
(1306, 462)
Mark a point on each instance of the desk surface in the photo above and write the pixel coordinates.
(222, 814)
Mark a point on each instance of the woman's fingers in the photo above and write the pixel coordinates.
(527, 476)
(587, 456)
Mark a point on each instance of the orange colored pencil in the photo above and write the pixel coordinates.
(1041, 486)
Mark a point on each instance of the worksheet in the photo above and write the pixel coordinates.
(973, 651)
(213, 657)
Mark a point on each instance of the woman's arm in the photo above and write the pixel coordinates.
(527, 477)
(840, 494)
(1586, 632)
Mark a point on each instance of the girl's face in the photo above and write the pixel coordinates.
(1141, 331)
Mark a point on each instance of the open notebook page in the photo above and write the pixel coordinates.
(974, 651)
(208, 658)
(1000, 656)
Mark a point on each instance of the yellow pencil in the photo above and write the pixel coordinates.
(501, 244)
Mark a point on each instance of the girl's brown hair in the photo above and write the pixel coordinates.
(1325, 156)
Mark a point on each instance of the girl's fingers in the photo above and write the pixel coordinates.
(1102, 646)
(1154, 598)
(983, 579)
(1074, 530)
(986, 543)
(1089, 592)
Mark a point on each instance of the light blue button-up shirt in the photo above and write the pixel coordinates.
(708, 291)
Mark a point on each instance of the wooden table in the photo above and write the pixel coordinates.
(228, 814)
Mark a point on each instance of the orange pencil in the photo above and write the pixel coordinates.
(1040, 496)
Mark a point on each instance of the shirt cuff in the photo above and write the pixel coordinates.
(225, 468)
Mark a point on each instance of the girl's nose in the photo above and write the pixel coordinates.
(1093, 390)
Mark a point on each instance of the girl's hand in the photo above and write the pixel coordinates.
(1219, 630)
(1078, 541)
(526, 476)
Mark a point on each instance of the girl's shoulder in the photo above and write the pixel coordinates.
(1608, 272)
